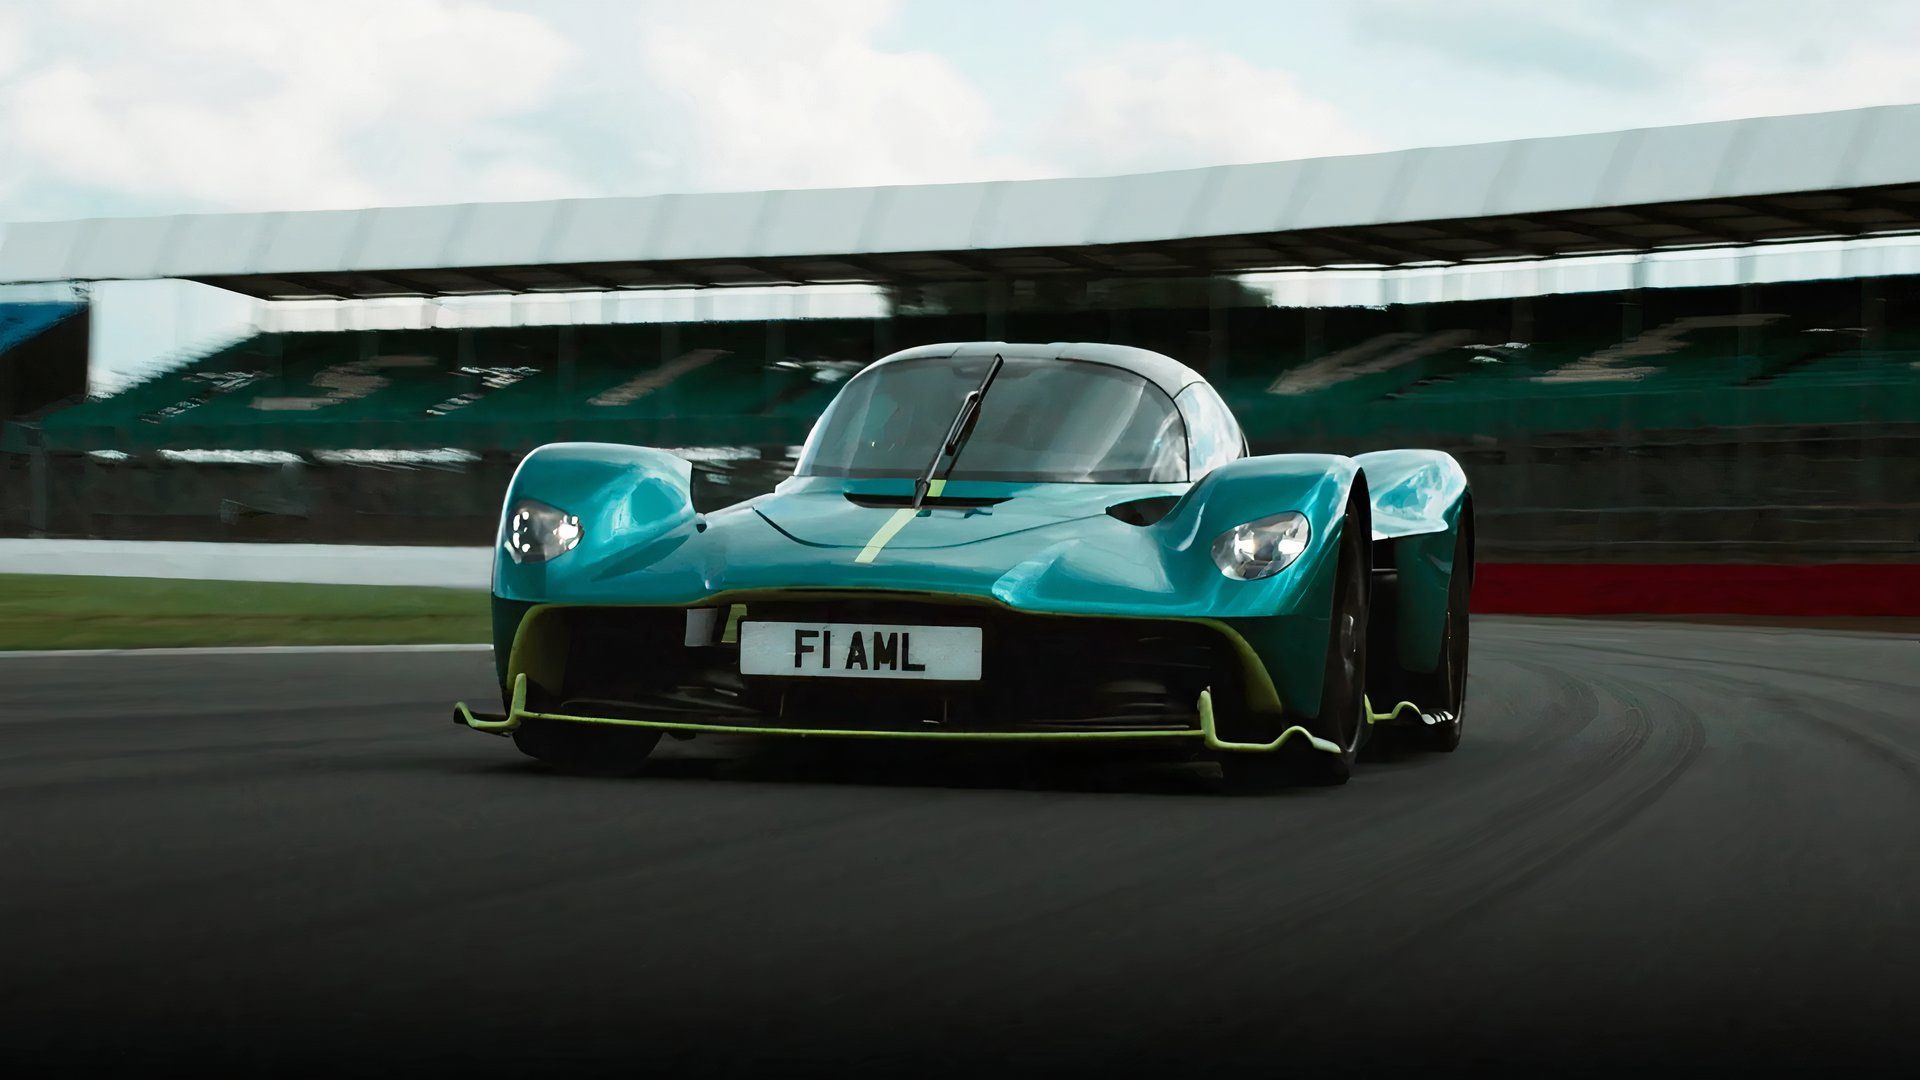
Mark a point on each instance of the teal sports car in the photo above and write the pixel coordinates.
(992, 541)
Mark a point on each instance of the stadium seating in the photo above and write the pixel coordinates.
(1590, 363)
(505, 388)
(1788, 364)
(1682, 424)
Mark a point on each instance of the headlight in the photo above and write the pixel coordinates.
(535, 532)
(1261, 548)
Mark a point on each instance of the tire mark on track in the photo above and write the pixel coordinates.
(1694, 663)
(1688, 740)
(1782, 701)
(1475, 879)
(1871, 745)
(1339, 883)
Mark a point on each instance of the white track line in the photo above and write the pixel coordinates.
(318, 564)
(244, 650)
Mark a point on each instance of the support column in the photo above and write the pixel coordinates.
(38, 483)
(1875, 485)
(1218, 289)
(1873, 311)
(1748, 337)
(568, 347)
(776, 351)
(776, 344)
(999, 291)
(1753, 474)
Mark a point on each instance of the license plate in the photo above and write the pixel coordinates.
(860, 651)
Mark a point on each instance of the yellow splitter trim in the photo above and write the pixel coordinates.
(894, 523)
(1206, 732)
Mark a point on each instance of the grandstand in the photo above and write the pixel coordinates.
(1705, 359)
(1741, 422)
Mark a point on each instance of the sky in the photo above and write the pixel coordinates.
(122, 107)
(132, 107)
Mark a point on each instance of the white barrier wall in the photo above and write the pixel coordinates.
(321, 564)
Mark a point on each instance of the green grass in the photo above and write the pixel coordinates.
(60, 612)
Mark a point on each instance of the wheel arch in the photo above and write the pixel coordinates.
(1424, 511)
(1292, 641)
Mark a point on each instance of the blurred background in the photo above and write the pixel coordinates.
(1692, 345)
(1708, 423)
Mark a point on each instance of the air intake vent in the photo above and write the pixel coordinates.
(1143, 511)
(935, 502)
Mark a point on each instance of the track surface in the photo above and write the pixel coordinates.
(1659, 843)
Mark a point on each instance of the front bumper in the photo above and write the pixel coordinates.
(1045, 677)
(1204, 730)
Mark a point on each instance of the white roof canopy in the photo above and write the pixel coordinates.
(1839, 174)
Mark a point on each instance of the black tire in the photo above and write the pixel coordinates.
(586, 749)
(1447, 686)
(1342, 719)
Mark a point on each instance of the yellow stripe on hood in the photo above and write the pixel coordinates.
(894, 523)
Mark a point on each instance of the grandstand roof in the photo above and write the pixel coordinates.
(1819, 175)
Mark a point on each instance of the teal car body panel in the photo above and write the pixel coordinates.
(1040, 548)
(1420, 499)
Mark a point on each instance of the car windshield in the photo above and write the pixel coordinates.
(1044, 421)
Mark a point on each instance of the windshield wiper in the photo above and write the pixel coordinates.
(957, 433)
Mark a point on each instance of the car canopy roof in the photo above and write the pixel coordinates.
(1165, 372)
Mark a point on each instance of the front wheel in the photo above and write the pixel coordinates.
(1446, 688)
(586, 749)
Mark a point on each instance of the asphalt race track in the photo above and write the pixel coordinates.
(1659, 844)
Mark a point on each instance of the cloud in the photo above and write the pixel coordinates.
(226, 103)
(1176, 104)
(773, 94)
(234, 104)
(10, 46)
(1562, 42)
(11, 50)
(1643, 64)
(131, 106)
(1821, 63)
(769, 94)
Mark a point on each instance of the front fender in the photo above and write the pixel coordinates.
(635, 505)
(1413, 491)
(1316, 485)
(1421, 501)
(1284, 618)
